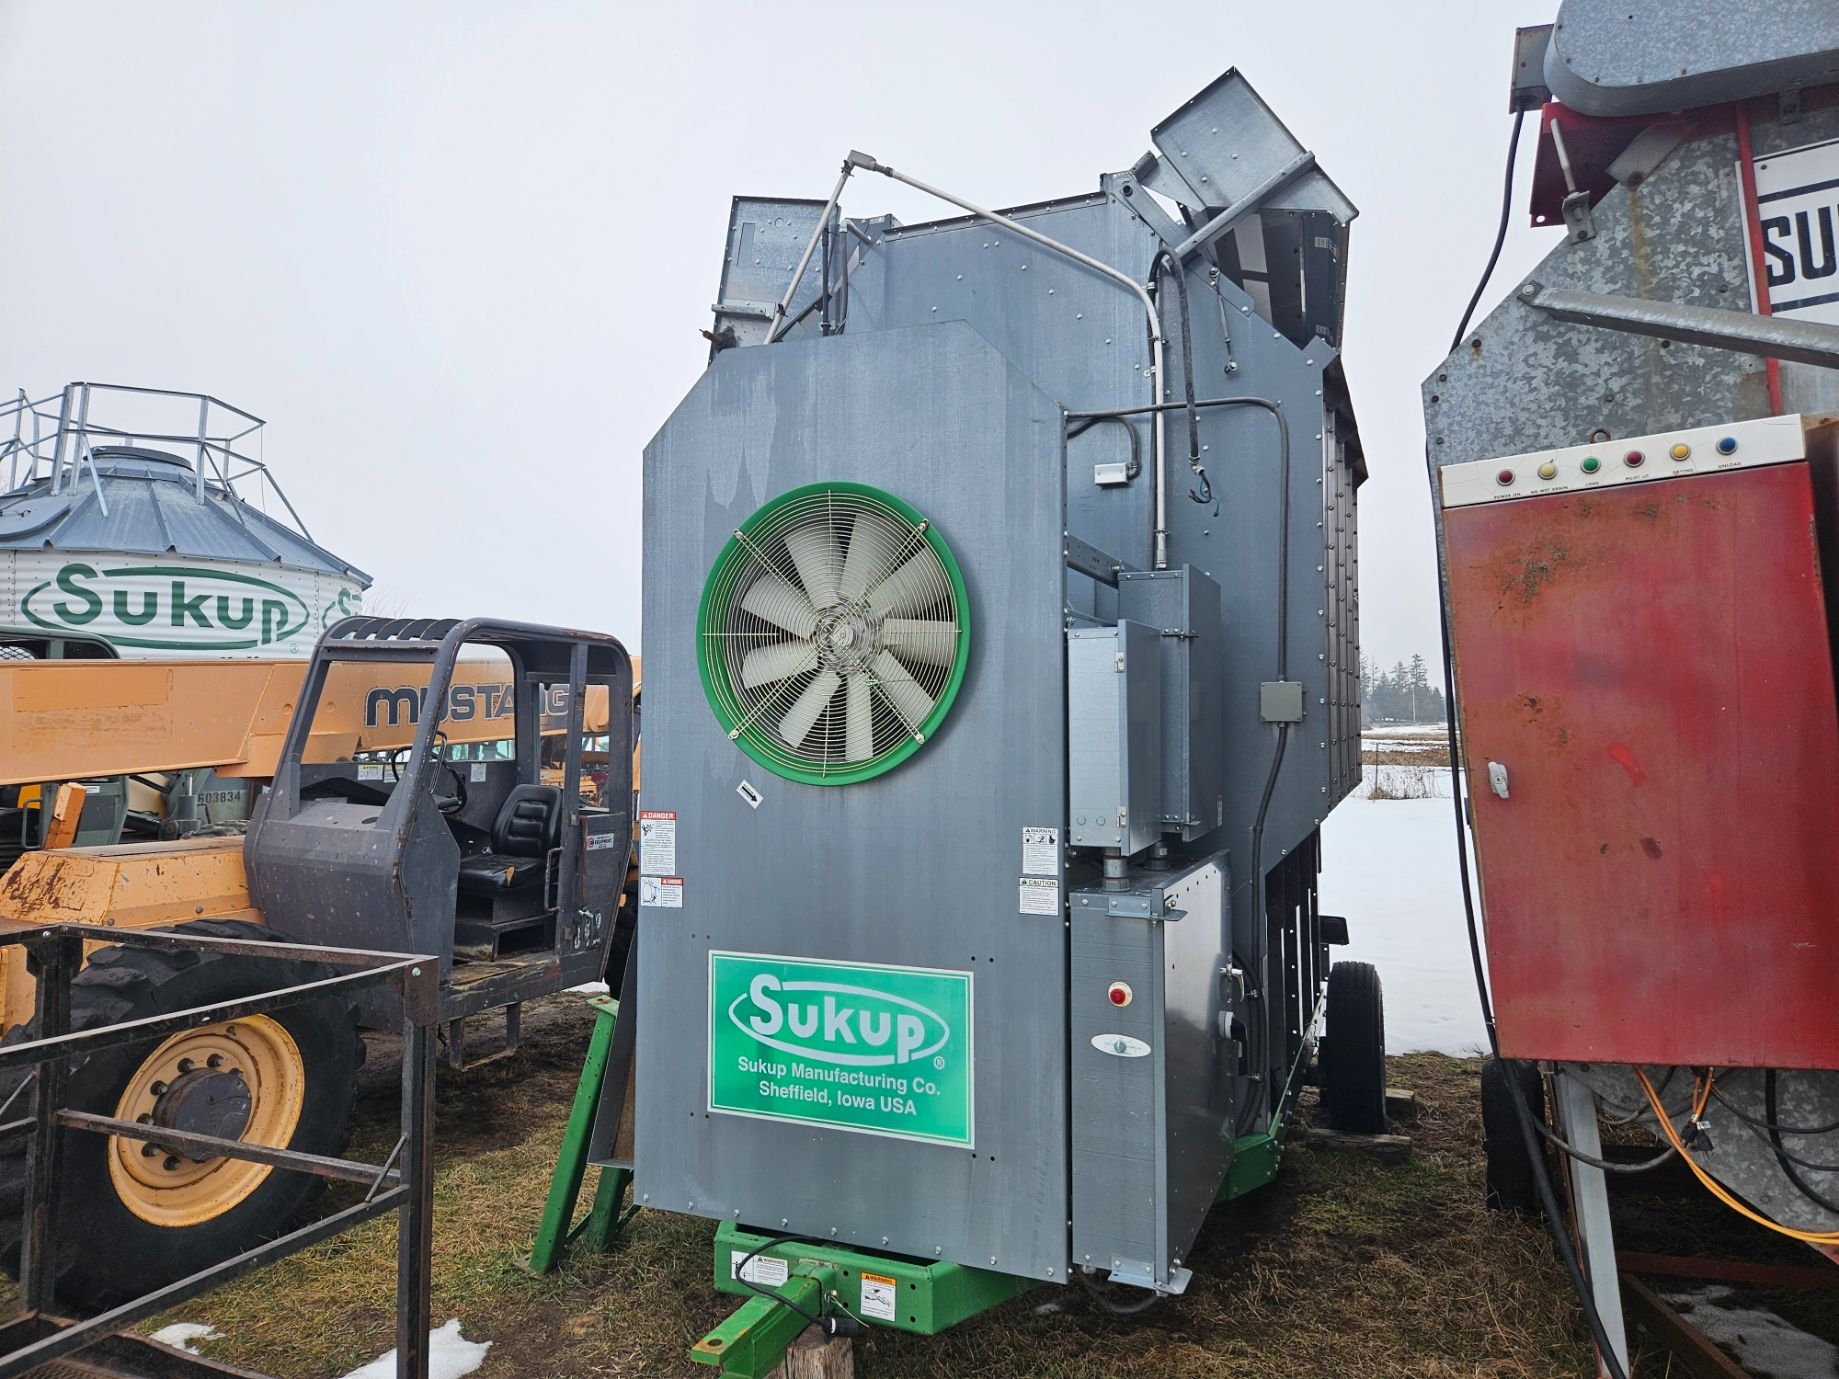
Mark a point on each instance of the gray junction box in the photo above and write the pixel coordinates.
(938, 751)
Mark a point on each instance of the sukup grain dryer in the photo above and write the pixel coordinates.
(1000, 618)
(1636, 498)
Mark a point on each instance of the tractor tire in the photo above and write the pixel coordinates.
(1354, 1059)
(1510, 1175)
(126, 1221)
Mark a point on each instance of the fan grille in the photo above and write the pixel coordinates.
(834, 632)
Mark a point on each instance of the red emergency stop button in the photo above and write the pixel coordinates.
(1119, 993)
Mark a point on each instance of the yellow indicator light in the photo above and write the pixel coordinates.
(1680, 451)
(1548, 470)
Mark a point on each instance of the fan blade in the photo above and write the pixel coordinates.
(765, 664)
(915, 586)
(796, 725)
(813, 551)
(911, 702)
(781, 605)
(874, 542)
(860, 719)
(921, 639)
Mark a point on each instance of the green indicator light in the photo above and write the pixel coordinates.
(1591, 465)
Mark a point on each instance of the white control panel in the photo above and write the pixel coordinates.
(1641, 459)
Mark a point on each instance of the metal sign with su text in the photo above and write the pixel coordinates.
(1797, 205)
(877, 1050)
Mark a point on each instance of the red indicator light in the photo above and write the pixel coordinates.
(1504, 478)
(1633, 459)
(1119, 993)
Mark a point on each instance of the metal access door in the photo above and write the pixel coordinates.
(1652, 743)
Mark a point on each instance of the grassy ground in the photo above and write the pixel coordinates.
(1343, 1267)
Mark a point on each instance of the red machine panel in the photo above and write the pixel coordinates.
(1653, 749)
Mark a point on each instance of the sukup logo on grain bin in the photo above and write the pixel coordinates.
(880, 1050)
(167, 607)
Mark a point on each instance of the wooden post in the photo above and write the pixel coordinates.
(813, 1357)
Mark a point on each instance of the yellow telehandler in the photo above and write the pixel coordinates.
(461, 789)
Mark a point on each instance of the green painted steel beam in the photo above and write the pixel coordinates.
(754, 1337)
(553, 1234)
(902, 1294)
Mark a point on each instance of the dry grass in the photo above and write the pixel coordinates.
(1343, 1267)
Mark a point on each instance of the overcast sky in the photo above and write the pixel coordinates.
(457, 254)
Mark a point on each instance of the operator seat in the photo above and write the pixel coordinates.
(528, 827)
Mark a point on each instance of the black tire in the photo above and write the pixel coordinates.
(1512, 1183)
(106, 1254)
(1354, 1059)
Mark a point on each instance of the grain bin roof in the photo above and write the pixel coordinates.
(145, 501)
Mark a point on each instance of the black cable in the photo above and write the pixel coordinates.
(1187, 375)
(1607, 1165)
(1770, 1135)
(1542, 1178)
(1782, 1156)
(1116, 1309)
(1761, 1124)
(829, 1325)
(1500, 232)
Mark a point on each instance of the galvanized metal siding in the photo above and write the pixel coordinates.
(1523, 382)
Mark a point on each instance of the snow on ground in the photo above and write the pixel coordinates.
(1765, 1345)
(1390, 866)
(186, 1335)
(450, 1356)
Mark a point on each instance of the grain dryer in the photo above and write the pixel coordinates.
(1638, 524)
(1000, 627)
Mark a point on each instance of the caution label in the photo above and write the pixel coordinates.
(1040, 895)
(661, 892)
(657, 842)
(878, 1294)
(762, 1270)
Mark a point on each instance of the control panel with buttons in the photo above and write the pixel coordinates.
(1644, 459)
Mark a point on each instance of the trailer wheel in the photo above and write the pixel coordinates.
(132, 1215)
(1509, 1173)
(1354, 1059)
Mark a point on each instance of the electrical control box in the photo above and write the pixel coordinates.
(1647, 695)
(1114, 736)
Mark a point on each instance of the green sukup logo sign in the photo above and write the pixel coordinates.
(167, 607)
(880, 1050)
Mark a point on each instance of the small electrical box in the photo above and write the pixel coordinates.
(1114, 736)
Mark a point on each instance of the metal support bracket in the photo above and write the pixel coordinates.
(1086, 559)
(1802, 342)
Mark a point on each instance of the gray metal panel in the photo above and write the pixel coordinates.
(1608, 57)
(1234, 540)
(1080, 336)
(1184, 605)
(1119, 1191)
(1224, 141)
(1152, 1135)
(915, 867)
(766, 237)
(1114, 735)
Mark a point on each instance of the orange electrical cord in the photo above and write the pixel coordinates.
(1700, 1098)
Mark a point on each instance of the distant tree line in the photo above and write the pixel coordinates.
(1403, 694)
